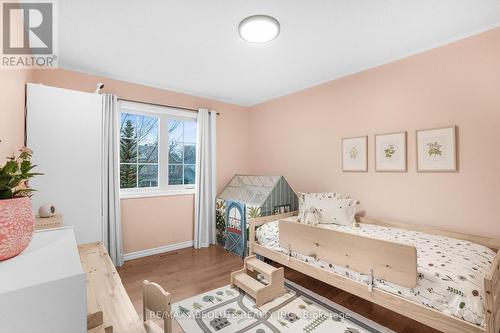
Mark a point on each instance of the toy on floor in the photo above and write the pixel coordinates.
(246, 280)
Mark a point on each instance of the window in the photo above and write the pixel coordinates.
(138, 151)
(157, 149)
(235, 218)
(181, 152)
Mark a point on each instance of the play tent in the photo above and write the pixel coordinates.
(249, 196)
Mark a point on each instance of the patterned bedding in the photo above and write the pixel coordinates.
(450, 271)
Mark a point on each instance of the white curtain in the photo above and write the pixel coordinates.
(204, 210)
(112, 231)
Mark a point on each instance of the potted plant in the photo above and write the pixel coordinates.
(16, 214)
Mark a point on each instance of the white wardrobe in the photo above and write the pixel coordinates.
(64, 129)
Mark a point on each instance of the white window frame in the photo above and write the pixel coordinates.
(163, 114)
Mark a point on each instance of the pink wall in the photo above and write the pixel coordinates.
(154, 222)
(12, 110)
(299, 135)
(158, 221)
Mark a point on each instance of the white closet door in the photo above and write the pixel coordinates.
(64, 129)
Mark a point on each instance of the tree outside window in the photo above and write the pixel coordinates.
(138, 151)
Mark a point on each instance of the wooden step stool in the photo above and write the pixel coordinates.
(246, 279)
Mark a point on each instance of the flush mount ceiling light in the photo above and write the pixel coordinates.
(259, 29)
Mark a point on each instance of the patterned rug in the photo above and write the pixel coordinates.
(227, 310)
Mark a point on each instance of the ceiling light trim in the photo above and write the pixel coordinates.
(259, 29)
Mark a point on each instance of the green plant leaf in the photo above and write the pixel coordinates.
(4, 179)
(14, 173)
(32, 174)
(25, 166)
(6, 194)
(31, 167)
(10, 167)
(14, 182)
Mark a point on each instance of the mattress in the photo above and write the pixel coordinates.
(450, 272)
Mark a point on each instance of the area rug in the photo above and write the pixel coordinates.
(228, 310)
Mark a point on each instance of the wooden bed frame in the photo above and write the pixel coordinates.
(372, 258)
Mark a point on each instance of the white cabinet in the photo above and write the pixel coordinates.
(43, 289)
(64, 129)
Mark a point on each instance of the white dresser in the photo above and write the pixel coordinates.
(43, 289)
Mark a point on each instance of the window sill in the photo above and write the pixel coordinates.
(155, 193)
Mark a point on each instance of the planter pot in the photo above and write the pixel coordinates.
(16, 226)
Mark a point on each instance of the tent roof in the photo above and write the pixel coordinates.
(251, 190)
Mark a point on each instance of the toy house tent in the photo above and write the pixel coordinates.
(246, 197)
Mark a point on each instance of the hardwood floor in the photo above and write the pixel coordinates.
(188, 272)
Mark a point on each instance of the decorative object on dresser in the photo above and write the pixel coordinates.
(390, 152)
(42, 223)
(245, 197)
(437, 150)
(16, 215)
(47, 210)
(355, 154)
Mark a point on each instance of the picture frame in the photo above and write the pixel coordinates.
(437, 150)
(391, 152)
(355, 154)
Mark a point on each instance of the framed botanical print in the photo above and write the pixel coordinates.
(390, 152)
(355, 154)
(437, 150)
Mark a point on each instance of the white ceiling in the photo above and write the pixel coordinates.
(194, 46)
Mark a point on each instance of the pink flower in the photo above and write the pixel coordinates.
(26, 150)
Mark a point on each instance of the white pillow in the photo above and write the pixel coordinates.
(331, 207)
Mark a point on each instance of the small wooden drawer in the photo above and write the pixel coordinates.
(48, 222)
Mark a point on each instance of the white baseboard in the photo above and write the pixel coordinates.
(157, 250)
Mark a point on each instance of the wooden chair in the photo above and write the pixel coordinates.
(157, 300)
